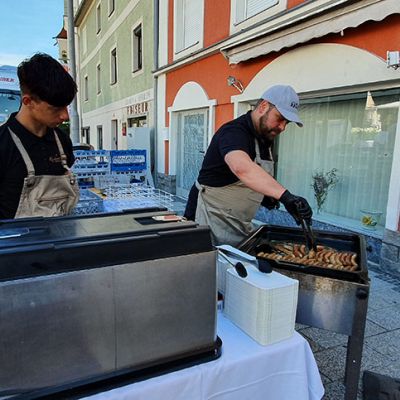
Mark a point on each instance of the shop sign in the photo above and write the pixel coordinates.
(138, 108)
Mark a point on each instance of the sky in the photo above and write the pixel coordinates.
(28, 26)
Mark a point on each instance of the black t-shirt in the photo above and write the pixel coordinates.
(42, 151)
(238, 134)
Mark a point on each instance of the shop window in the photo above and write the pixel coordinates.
(137, 122)
(100, 137)
(188, 24)
(113, 66)
(86, 135)
(353, 134)
(114, 134)
(137, 48)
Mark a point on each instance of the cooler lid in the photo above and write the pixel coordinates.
(31, 231)
(42, 246)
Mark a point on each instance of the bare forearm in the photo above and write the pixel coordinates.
(260, 181)
(252, 175)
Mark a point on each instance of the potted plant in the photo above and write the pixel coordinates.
(322, 183)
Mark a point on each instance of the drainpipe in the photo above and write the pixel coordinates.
(155, 56)
(73, 117)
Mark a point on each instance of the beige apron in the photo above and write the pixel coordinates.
(46, 195)
(228, 210)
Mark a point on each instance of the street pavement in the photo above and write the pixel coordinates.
(381, 344)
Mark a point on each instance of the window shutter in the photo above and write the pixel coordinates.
(179, 25)
(192, 22)
(240, 10)
(188, 23)
(248, 8)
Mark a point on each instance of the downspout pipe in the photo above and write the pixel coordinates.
(156, 30)
(73, 118)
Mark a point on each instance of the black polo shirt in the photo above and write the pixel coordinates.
(42, 151)
(238, 134)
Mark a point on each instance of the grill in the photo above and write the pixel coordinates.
(331, 299)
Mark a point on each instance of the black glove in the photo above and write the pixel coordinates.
(270, 203)
(297, 207)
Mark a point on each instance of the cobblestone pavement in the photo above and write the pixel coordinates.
(381, 352)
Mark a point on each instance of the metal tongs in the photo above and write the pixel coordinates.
(308, 233)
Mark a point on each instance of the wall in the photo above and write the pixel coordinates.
(131, 88)
(390, 254)
(216, 25)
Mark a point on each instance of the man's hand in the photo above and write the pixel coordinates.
(270, 203)
(297, 207)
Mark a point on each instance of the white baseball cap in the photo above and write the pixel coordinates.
(286, 101)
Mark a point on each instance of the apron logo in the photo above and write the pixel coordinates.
(55, 160)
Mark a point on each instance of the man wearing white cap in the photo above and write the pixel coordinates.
(237, 171)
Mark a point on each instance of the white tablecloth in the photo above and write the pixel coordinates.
(245, 370)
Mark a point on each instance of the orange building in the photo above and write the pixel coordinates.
(215, 59)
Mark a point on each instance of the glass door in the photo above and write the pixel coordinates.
(192, 144)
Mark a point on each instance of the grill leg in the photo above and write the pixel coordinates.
(355, 345)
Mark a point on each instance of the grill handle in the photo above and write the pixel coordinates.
(361, 294)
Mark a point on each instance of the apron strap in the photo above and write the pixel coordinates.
(62, 154)
(258, 156)
(24, 154)
(198, 186)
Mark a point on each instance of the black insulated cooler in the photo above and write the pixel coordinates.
(89, 297)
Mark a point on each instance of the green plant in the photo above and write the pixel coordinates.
(322, 183)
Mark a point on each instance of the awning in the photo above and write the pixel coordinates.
(332, 21)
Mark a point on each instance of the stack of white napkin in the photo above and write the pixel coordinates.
(262, 305)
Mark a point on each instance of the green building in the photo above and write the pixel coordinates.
(114, 58)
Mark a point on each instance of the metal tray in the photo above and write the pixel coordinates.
(337, 240)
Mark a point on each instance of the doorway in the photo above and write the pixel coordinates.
(100, 137)
(114, 134)
(192, 144)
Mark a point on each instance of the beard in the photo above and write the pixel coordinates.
(267, 134)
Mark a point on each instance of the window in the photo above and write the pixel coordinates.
(111, 7)
(248, 8)
(100, 137)
(188, 24)
(86, 135)
(84, 40)
(98, 18)
(137, 48)
(98, 78)
(114, 134)
(248, 13)
(9, 103)
(354, 134)
(113, 67)
(86, 88)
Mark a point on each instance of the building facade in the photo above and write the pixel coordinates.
(115, 40)
(216, 59)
